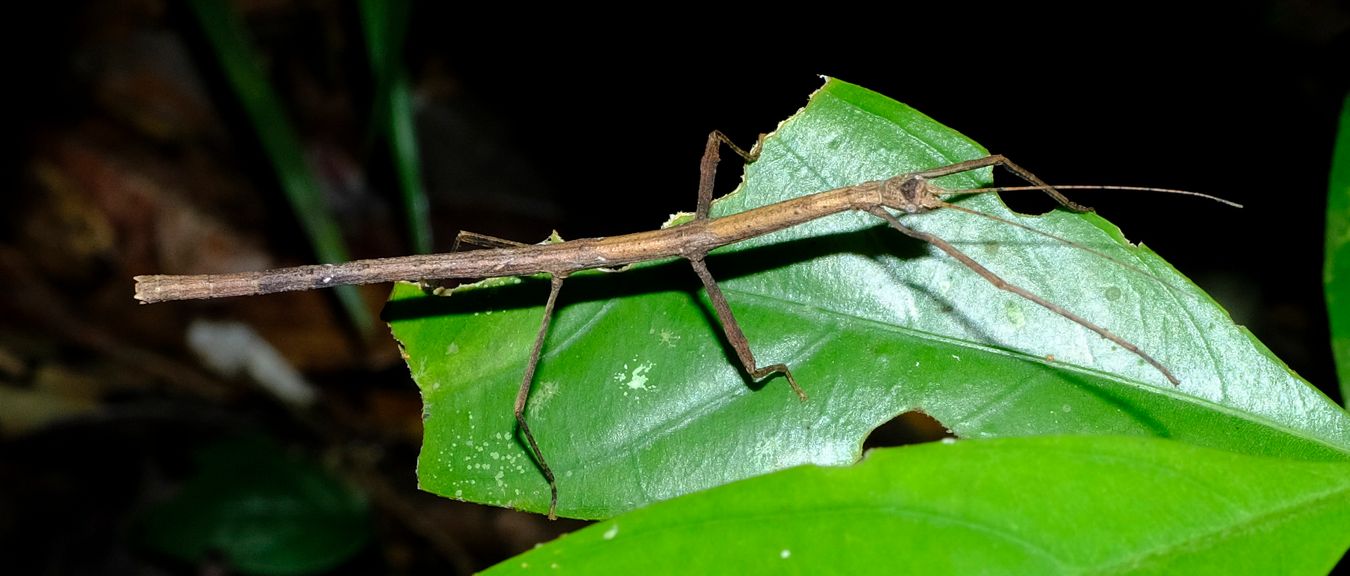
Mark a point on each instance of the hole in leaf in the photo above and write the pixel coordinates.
(907, 428)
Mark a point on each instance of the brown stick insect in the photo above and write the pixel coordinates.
(902, 194)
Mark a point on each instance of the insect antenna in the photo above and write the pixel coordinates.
(992, 189)
(1066, 241)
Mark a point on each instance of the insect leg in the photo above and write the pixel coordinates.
(707, 168)
(1002, 284)
(733, 331)
(482, 241)
(524, 394)
(1000, 160)
(465, 238)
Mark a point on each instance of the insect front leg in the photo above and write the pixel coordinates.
(1002, 284)
(1001, 160)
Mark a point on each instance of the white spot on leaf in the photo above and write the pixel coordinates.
(668, 338)
(638, 379)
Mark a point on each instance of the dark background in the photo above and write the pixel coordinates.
(591, 123)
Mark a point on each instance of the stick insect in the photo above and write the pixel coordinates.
(903, 194)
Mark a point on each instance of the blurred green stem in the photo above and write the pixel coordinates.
(386, 25)
(227, 35)
(1336, 275)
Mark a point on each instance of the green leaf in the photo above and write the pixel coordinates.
(1336, 275)
(264, 512)
(1048, 505)
(638, 399)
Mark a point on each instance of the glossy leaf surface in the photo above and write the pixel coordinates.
(638, 399)
(1047, 505)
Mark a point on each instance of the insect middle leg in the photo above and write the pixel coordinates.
(732, 329)
(734, 334)
(707, 168)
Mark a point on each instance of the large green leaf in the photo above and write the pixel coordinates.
(1048, 505)
(638, 399)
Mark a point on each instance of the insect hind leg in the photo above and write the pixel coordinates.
(523, 396)
(468, 238)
